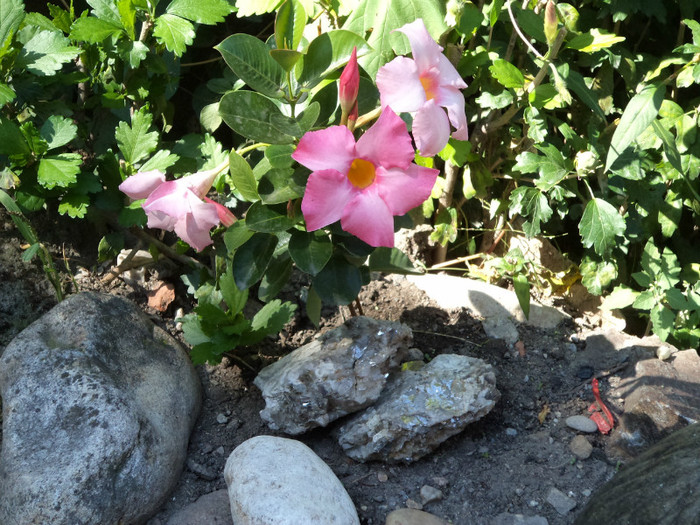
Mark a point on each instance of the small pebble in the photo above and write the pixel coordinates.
(511, 432)
(413, 504)
(562, 503)
(441, 481)
(581, 423)
(382, 477)
(221, 419)
(412, 517)
(664, 352)
(580, 447)
(430, 494)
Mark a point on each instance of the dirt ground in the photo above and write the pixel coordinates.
(506, 463)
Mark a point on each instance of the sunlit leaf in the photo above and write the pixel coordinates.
(599, 226)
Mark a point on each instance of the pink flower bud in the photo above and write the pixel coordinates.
(349, 83)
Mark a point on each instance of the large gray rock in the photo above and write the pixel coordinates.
(341, 372)
(419, 409)
(273, 480)
(98, 404)
(660, 487)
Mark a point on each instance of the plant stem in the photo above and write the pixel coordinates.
(451, 174)
(368, 117)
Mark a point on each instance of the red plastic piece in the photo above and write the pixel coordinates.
(601, 414)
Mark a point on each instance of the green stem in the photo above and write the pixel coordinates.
(252, 147)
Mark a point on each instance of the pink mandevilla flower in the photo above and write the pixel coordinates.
(365, 183)
(180, 205)
(423, 86)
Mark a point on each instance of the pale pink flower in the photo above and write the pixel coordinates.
(423, 86)
(180, 205)
(365, 183)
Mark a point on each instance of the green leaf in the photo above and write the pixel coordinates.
(596, 276)
(663, 266)
(270, 319)
(262, 218)
(256, 7)
(127, 15)
(670, 213)
(59, 170)
(58, 131)
(669, 142)
(662, 319)
(93, 30)
(278, 186)
(575, 81)
(175, 32)
(12, 141)
(74, 205)
(201, 11)
(621, 297)
(677, 300)
(531, 203)
(599, 226)
(275, 278)
(250, 60)
(161, 160)
(313, 306)
(280, 156)
(593, 41)
(236, 236)
(338, 283)
(235, 297)
(645, 300)
(328, 52)
(289, 25)
(258, 118)
(105, 10)
(242, 177)
(45, 53)
(11, 15)
(109, 247)
(522, 292)
(638, 115)
(507, 74)
(391, 260)
(286, 58)
(381, 17)
(310, 251)
(135, 141)
(251, 260)
(7, 94)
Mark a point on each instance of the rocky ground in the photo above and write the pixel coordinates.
(521, 458)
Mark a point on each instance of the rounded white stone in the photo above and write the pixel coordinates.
(273, 480)
(581, 423)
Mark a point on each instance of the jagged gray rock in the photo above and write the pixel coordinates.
(419, 409)
(98, 406)
(342, 371)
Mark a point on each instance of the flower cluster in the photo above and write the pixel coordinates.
(180, 205)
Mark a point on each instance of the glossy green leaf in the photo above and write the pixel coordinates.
(262, 218)
(328, 52)
(256, 117)
(275, 278)
(313, 306)
(338, 283)
(310, 251)
(278, 186)
(235, 297)
(287, 58)
(175, 32)
(7, 94)
(669, 142)
(391, 260)
(507, 74)
(252, 258)
(59, 170)
(280, 156)
(289, 25)
(593, 41)
(242, 177)
(237, 235)
(522, 292)
(250, 60)
(599, 226)
(638, 115)
(201, 11)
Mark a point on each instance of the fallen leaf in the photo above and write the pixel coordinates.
(543, 414)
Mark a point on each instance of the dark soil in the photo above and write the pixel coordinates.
(505, 463)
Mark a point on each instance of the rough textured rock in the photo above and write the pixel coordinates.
(659, 398)
(419, 409)
(412, 517)
(98, 404)
(210, 509)
(341, 372)
(273, 480)
(660, 487)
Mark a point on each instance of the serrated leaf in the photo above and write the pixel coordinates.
(507, 74)
(175, 32)
(74, 205)
(161, 160)
(662, 321)
(251, 260)
(250, 60)
(7, 94)
(310, 251)
(256, 7)
(380, 18)
(93, 30)
(45, 53)
(531, 203)
(59, 170)
(328, 52)
(135, 141)
(201, 11)
(638, 115)
(596, 276)
(58, 131)
(256, 117)
(242, 177)
(262, 218)
(11, 15)
(106, 10)
(599, 226)
(621, 297)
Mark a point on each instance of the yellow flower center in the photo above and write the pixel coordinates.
(361, 173)
(429, 86)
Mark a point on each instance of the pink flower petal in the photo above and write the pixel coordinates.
(387, 143)
(327, 193)
(449, 75)
(330, 148)
(453, 101)
(403, 190)
(426, 52)
(194, 227)
(431, 129)
(160, 220)
(369, 219)
(225, 216)
(140, 185)
(399, 85)
(170, 198)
